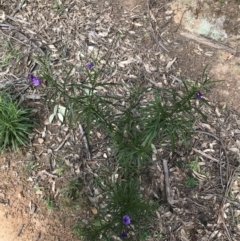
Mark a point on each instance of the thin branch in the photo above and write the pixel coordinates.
(18, 8)
(153, 32)
(167, 184)
(20, 230)
(65, 139)
(83, 135)
(221, 214)
(224, 149)
(209, 42)
(205, 155)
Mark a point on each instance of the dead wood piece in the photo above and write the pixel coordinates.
(20, 230)
(4, 26)
(47, 173)
(174, 78)
(33, 96)
(221, 212)
(61, 145)
(209, 42)
(205, 155)
(167, 184)
(83, 135)
(16, 19)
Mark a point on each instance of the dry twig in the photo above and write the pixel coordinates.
(153, 32)
(61, 145)
(225, 151)
(18, 8)
(167, 184)
(221, 213)
(83, 135)
(20, 230)
(209, 42)
(205, 155)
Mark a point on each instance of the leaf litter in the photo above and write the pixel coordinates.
(205, 211)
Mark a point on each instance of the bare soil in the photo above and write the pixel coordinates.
(149, 49)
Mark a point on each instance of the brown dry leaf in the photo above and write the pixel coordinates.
(107, 17)
(184, 235)
(39, 192)
(152, 16)
(94, 210)
(207, 126)
(234, 149)
(2, 16)
(217, 112)
(205, 155)
(199, 176)
(170, 63)
(238, 143)
(126, 62)
(150, 68)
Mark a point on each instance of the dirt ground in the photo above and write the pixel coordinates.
(152, 42)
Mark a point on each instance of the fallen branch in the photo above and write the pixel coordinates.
(83, 135)
(205, 155)
(61, 145)
(221, 212)
(167, 184)
(46, 173)
(209, 42)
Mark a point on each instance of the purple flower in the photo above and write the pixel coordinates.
(90, 65)
(126, 220)
(123, 235)
(198, 95)
(35, 80)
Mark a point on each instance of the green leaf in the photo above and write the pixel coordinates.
(62, 110)
(51, 117)
(154, 149)
(60, 117)
(55, 109)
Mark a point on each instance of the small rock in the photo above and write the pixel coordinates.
(20, 195)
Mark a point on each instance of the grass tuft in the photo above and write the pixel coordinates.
(15, 124)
